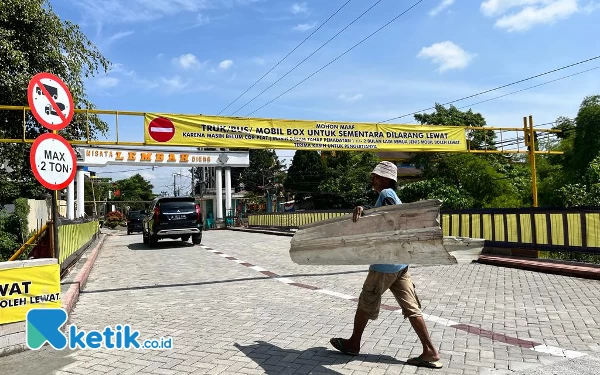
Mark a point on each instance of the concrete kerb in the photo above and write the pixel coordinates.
(273, 232)
(72, 294)
(12, 335)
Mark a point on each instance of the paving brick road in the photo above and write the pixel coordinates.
(227, 317)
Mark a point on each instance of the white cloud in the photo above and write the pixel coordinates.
(530, 13)
(447, 55)
(120, 35)
(131, 11)
(202, 20)
(305, 26)
(174, 84)
(107, 82)
(225, 64)
(298, 8)
(441, 6)
(351, 98)
(187, 61)
(591, 7)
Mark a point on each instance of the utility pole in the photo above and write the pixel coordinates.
(174, 191)
(193, 186)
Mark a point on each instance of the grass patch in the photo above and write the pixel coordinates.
(570, 256)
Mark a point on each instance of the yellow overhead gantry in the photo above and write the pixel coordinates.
(529, 135)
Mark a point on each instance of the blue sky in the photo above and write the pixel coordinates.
(197, 56)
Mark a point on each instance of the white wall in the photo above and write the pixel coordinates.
(38, 211)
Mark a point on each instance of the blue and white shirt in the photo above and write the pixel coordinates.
(388, 197)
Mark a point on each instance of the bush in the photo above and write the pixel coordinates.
(113, 219)
(9, 237)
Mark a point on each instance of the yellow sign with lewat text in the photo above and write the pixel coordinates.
(236, 132)
(26, 288)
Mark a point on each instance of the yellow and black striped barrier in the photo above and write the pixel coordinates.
(291, 220)
(572, 229)
(72, 237)
(542, 229)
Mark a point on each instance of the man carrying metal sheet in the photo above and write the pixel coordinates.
(382, 277)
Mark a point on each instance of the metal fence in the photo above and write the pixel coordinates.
(75, 237)
(291, 220)
(573, 229)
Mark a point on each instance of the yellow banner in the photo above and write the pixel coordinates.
(235, 132)
(25, 288)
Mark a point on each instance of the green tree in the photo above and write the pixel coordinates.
(452, 116)
(265, 169)
(348, 182)
(305, 175)
(586, 143)
(132, 189)
(467, 180)
(34, 39)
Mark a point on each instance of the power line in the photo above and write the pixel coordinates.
(309, 56)
(530, 87)
(332, 61)
(497, 88)
(286, 56)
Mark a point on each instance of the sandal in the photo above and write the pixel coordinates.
(337, 343)
(419, 362)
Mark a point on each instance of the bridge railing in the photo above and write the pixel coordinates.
(537, 229)
(572, 229)
(290, 220)
(73, 237)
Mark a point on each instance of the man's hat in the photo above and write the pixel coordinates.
(386, 169)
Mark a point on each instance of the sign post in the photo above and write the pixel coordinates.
(52, 158)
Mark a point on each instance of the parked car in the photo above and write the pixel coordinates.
(174, 218)
(134, 221)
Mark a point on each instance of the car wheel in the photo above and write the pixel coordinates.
(197, 239)
(145, 238)
(185, 238)
(153, 241)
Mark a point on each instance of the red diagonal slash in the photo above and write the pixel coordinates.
(39, 83)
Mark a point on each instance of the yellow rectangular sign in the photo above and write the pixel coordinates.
(235, 132)
(26, 288)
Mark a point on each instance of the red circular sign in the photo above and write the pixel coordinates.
(53, 161)
(50, 101)
(161, 129)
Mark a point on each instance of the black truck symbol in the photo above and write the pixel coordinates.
(50, 110)
(53, 91)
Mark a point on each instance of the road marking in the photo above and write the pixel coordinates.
(497, 337)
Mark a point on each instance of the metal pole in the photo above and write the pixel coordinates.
(55, 219)
(532, 161)
(193, 187)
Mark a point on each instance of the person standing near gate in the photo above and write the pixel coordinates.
(382, 277)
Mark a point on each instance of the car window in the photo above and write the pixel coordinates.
(136, 215)
(177, 205)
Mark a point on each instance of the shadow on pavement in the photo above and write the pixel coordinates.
(142, 287)
(275, 360)
(365, 271)
(168, 244)
(44, 361)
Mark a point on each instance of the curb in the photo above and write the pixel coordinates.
(264, 231)
(72, 295)
(551, 267)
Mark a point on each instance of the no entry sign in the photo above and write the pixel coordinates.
(161, 129)
(53, 161)
(50, 101)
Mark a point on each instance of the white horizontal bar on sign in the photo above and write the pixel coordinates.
(162, 130)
